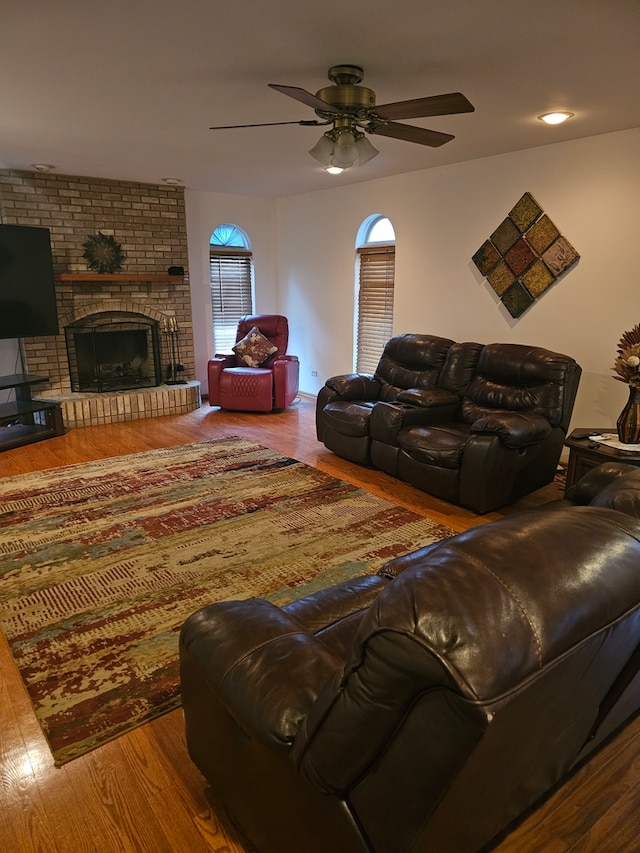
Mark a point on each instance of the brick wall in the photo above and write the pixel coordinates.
(148, 221)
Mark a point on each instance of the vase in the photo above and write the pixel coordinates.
(629, 421)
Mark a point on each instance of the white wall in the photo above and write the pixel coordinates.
(589, 188)
(256, 217)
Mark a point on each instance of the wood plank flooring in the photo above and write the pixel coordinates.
(141, 792)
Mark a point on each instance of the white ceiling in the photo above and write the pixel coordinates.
(127, 89)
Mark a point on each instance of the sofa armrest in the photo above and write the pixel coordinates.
(428, 398)
(265, 668)
(430, 405)
(388, 418)
(221, 360)
(286, 377)
(348, 386)
(215, 366)
(622, 494)
(595, 480)
(515, 429)
(354, 386)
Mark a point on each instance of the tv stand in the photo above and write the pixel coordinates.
(26, 420)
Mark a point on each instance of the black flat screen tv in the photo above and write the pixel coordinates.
(27, 288)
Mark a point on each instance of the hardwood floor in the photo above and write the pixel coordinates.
(141, 792)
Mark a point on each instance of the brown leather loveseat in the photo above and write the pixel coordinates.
(424, 708)
(477, 425)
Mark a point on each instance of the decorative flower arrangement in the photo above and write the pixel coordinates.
(627, 363)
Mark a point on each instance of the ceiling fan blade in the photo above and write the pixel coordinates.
(410, 133)
(311, 123)
(304, 97)
(436, 105)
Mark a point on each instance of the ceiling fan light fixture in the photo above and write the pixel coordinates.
(556, 117)
(339, 150)
(366, 151)
(322, 151)
(345, 153)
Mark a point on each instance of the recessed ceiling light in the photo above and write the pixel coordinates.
(43, 167)
(171, 181)
(556, 117)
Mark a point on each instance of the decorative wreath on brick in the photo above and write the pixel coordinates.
(102, 253)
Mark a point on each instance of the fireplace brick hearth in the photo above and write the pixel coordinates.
(89, 409)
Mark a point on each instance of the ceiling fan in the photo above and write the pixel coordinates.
(351, 111)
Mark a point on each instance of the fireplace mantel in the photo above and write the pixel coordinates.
(127, 276)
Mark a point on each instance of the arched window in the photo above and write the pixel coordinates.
(231, 271)
(375, 275)
(229, 236)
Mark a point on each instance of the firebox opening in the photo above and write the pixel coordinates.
(106, 354)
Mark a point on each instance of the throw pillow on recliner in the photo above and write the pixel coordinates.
(254, 349)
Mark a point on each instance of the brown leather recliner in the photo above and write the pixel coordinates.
(416, 407)
(345, 403)
(425, 708)
(505, 437)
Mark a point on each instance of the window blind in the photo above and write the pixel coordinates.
(231, 294)
(375, 304)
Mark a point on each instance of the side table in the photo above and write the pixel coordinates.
(585, 454)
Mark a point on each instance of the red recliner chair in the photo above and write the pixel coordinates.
(259, 376)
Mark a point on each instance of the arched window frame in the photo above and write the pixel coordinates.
(375, 280)
(232, 283)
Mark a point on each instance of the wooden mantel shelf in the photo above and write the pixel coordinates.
(126, 276)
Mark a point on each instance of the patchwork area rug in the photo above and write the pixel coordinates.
(101, 563)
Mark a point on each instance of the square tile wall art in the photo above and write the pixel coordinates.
(524, 256)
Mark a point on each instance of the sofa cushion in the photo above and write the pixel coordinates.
(411, 361)
(516, 377)
(254, 349)
(460, 366)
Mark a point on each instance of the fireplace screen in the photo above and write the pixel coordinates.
(113, 352)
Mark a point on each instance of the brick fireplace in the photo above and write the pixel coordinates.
(115, 351)
(142, 299)
(148, 303)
